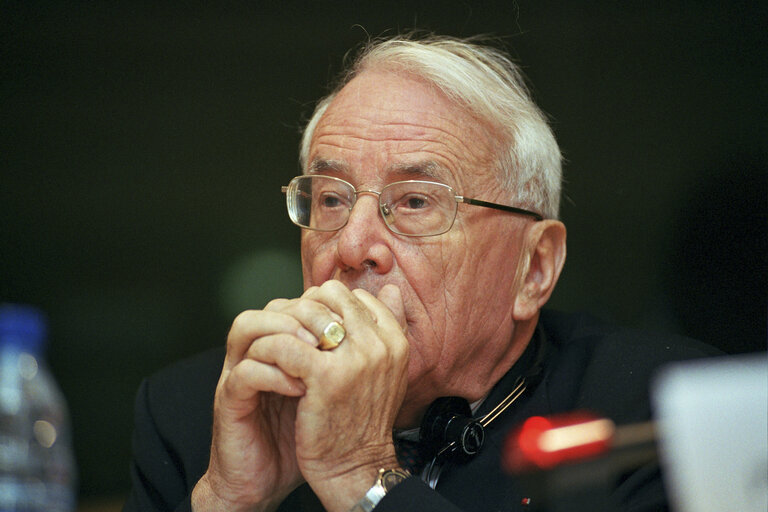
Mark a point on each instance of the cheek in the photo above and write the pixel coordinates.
(459, 263)
(424, 268)
(431, 275)
(317, 258)
(478, 274)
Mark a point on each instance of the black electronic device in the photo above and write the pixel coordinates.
(450, 431)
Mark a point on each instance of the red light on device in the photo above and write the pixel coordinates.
(546, 442)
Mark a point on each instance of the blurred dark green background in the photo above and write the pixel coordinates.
(142, 148)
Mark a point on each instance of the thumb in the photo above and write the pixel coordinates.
(391, 297)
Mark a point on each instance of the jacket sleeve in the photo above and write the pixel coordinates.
(172, 433)
(157, 484)
(413, 494)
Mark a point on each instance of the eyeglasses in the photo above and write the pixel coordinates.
(411, 208)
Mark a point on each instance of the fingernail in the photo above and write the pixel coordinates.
(307, 337)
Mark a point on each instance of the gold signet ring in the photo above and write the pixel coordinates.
(333, 334)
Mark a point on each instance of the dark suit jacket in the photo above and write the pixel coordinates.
(586, 365)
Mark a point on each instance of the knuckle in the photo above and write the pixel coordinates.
(304, 305)
(399, 346)
(237, 374)
(240, 332)
(242, 321)
(310, 292)
(333, 286)
(230, 384)
(276, 304)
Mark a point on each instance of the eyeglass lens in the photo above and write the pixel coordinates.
(408, 207)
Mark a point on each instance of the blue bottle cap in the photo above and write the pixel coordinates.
(22, 326)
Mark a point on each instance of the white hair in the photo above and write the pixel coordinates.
(487, 84)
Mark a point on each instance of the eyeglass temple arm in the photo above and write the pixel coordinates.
(495, 206)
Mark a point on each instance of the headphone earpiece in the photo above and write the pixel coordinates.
(448, 431)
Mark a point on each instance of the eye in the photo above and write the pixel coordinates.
(330, 200)
(414, 202)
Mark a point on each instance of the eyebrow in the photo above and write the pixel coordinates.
(426, 170)
(320, 165)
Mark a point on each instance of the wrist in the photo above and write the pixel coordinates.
(205, 498)
(386, 480)
(340, 492)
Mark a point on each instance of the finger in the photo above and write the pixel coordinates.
(293, 357)
(388, 313)
(337, 297)
(282, 305)
(275, 304)
(312, 314)
(251, 325)
(391, 297)
(390, 327)
(250, 377)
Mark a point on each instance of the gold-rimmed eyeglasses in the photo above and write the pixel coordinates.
(410, 208)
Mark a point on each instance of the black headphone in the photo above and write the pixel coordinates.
(448, 431)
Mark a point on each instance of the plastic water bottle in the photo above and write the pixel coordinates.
(37, 470)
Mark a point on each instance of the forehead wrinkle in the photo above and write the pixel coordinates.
(338, 123)
(426, 169)
(454, 154)
(451, 151)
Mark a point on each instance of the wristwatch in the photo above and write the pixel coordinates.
(387, 479)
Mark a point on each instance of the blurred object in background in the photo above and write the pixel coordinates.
(37, 468)
(573, 462)
(710, 435)
(713, 432)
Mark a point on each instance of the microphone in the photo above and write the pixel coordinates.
(548, 442)
(571, 462)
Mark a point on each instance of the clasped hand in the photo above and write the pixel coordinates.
(286, 412)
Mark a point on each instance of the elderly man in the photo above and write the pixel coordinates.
(430, 242)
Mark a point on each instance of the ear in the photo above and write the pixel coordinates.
(541, 261)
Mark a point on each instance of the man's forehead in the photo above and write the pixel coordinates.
(384, 127)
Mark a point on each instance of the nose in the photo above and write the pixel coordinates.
(365, 242)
